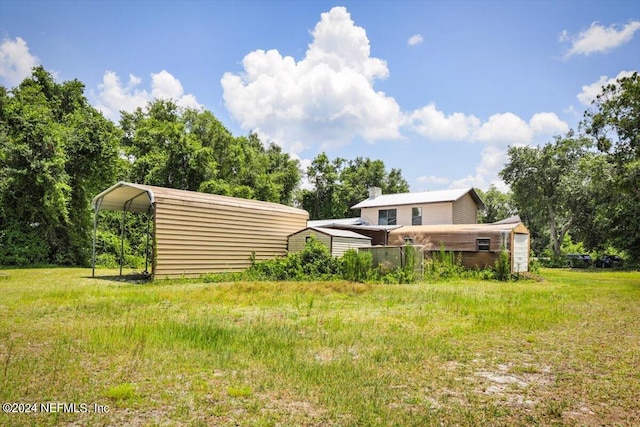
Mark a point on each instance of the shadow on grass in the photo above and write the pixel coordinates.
(135, 278)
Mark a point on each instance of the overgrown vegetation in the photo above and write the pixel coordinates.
(503, 266)
(315, 262)
(559, 352)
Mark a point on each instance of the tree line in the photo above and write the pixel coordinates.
(57, 152)
(585, 184)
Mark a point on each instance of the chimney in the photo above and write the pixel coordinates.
(374, 192)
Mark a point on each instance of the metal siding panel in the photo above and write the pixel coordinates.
(194, 238)
(520, 252)
(343, 244)
(298, 241)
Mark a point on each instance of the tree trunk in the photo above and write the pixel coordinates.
(553, 231)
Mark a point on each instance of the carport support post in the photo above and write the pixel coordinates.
(95, 226)
(146, 248)
(124, 217)
(126, 207)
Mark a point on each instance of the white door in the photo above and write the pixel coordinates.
(520, 253)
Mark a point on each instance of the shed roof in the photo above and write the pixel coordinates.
(461, 228)
(334, 233)
(419, 198)
(138, 198)
(339, 221)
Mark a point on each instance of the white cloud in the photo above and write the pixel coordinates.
(325, 99)
(590, 92)
(115, 96)
(16, 61)
(432, 179)
(505, 129)
(415, 39)
(434, 124)
(599, 38)
(547, 124)
(491, 162)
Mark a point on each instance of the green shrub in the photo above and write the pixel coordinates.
(444, 265)
(503, 266)
(534, 263)
(314, 262)
(22, 246)
(357, 265)
(106, 261)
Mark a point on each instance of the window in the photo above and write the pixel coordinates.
(416, 216)
(483, 245)
(387, 217)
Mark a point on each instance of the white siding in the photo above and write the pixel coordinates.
(436, 214)
(432, 214)
(343, 244)
(520, 252)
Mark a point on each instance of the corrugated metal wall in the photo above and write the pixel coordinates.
(343, 244)
(336, 244)
(453, 241)
(299, 240)
(199, 236)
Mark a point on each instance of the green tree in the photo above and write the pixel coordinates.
(498, 205)
(614, 124)
(191, 150)
(160, 150)
(56, 152)
(544, 184)
(324, 200)
(341, 183)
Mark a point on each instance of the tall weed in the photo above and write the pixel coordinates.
(357, 266)
(503, 266)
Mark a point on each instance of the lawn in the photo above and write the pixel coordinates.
(79, 351)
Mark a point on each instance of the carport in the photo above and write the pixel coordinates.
(191, 233)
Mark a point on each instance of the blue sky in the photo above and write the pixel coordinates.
(439, 89)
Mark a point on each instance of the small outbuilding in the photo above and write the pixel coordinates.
(192, 233)
(478, 244)
(338, 241)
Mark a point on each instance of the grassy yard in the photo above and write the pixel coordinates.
(563, 351)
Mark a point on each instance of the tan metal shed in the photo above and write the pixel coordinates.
(196, 233)
(478, 244)
(338, 241)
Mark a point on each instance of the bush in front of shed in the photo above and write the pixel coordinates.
(314, 262)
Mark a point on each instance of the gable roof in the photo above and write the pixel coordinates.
(419, 198)
(334, 233)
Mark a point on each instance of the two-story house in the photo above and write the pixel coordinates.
(424, 208)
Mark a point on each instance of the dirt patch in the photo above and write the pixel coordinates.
(513, 383)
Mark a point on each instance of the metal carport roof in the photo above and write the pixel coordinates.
(124, 196)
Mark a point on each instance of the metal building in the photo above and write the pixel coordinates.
(192, 233)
